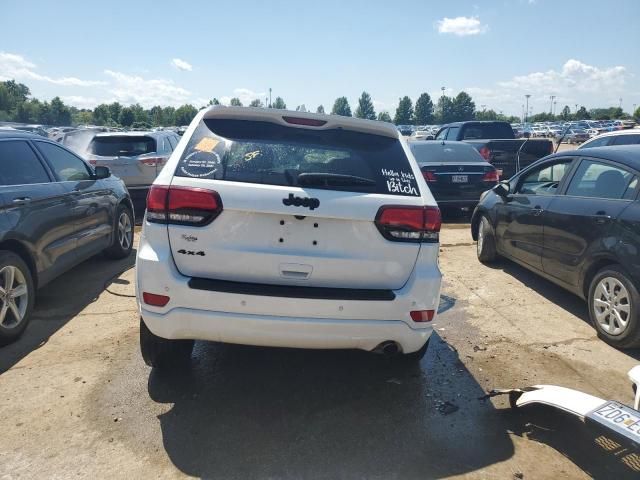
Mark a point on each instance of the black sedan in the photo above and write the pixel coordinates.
(55, 211)
(455, 172)
(574, 218)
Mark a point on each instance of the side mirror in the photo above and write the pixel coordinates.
(102, 172)
(502, 189)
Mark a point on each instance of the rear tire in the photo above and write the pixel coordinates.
(17, 296)
(614, 305)
(162, 353)
(486, 246)
(122, 234)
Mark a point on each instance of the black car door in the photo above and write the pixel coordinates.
(577, 223)
(93, 209)
(520, 217)
(36, 210)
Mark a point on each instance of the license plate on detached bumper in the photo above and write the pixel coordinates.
(460, 179)
(619, 418)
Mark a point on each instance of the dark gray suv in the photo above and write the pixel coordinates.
(55, 211)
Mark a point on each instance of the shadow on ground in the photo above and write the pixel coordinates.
(246, 412)
(590, 447)
(61, 300)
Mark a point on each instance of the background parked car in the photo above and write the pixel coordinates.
(55, 212)
(455, 172)
(574, 218)
(136, 157)
(573, 135)
(497, 144)
(618, 137)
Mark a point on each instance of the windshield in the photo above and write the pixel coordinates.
(480, 131)
(436, 152)
(122, 146)
(265, 153)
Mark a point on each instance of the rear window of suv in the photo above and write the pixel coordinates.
(122, 146)
(270, 154)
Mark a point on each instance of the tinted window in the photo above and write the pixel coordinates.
(626, 140)
(266, 153)
(487, 130)
(436, 152)
(453, 133)
(19, 165)
(442, 134)
(66, 166)
(122, 146)
(594, 179)
(544, 180)
(598, 142)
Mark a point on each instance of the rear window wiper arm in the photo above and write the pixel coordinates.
(332, 179)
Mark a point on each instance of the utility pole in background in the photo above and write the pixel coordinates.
(526, 112)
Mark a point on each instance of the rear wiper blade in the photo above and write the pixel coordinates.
(332, 179)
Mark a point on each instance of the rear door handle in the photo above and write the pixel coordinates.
(22, 200)
(601, 217)
(537, 211)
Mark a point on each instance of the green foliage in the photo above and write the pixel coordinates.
(582, 114)
(320, 109)
(384, 117)
(566, 113)
(279, 104)
(101, 114)
(214, 101)
(463, 107)
(256, 103)
(127, 117)
(445, 110)
(59, 113)
(542, 117)
(185, 114)
(82, 117)
(341, 107)
(404, 112)
(115, 109)
(424, 110)
(141, 126)
(365, 107)
(235, 102)
(156, 116)
(636, 114)
(487, 115)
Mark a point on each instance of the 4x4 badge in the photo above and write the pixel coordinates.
(309, 202)
(191, 252)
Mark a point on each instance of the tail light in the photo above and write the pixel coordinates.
(93, 162)
(409, 224)
(491, 176)
(422, 315)
(429, 176)
(153, 161)
(156, 300)
(485, 153)
(308, 122)
(182, 205)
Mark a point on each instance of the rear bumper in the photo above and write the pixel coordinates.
(272, 331)
(259, 319)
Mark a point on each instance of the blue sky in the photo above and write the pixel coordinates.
(88, 52)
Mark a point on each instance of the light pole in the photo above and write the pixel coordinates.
(576, 108)
(526, 112)
(555, 109)
(620, 102)
(551, 108)
(269, 97)
(522, 117)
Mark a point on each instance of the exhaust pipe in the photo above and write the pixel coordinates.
(388, 348)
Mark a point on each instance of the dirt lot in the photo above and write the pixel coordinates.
(76, 399)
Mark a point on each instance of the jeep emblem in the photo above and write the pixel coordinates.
(310, 203)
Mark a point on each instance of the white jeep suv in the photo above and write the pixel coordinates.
(288, 229)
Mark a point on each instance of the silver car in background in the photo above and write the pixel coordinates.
(136, 157)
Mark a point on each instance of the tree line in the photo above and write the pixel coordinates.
(17, 105)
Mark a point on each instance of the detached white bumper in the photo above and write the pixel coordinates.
(268, 331)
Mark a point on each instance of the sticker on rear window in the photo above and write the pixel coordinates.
(200, 164)
(399, 182)
(207, 144)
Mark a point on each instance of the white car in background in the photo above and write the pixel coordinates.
(617, 137)
(288, 229)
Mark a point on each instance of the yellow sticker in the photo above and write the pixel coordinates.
(251, 155)
(206, 144)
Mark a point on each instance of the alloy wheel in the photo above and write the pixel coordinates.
(612, 305)
(125, 231)
(14, 296)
